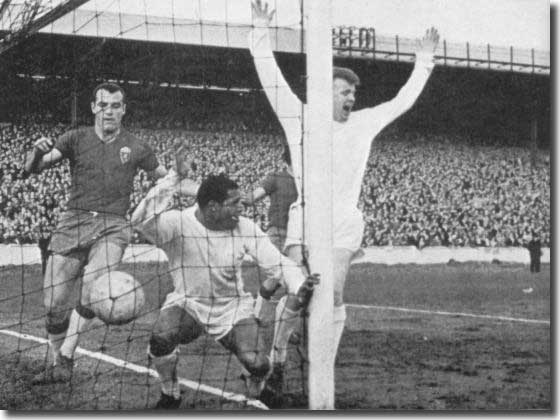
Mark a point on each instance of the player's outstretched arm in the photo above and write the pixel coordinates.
(41, 156)
(151, 217)
(275, 266)
(158, 199)
(284, 102)
(409, 93)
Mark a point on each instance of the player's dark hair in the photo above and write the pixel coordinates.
(286, 156)
(109, 87)
(215, 188)
(346, 74)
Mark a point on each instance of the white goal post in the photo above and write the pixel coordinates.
(317, 191)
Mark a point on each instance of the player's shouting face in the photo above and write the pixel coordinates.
(108, 108)
(343, 99)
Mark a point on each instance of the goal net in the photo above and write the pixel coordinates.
(191, 83)
(462, 175)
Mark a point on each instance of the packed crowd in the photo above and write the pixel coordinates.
(418, 190)
(28, 208)
(444, 192)
(192, 114)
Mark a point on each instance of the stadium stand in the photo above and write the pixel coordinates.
(420, 189)
(466, 172)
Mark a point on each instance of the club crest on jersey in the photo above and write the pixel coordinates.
(125, 154)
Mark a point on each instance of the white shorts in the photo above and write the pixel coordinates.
(216, 317)
(348, 231)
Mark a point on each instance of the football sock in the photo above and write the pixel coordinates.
(339, 318)
(78, 324)
(166, 367)
(264, 310)
(285, 322)
(55, 342)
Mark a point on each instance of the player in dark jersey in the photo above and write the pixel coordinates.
(92, 234)
(280, 186)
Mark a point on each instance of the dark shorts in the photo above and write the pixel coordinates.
(79, 230)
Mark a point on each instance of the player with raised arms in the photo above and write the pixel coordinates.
(205, 245)
(353, 134)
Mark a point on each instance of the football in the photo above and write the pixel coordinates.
(116, 297)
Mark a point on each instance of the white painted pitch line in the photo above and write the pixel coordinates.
(196, 386)
(463, 314)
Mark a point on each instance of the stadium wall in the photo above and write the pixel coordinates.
(29, 254)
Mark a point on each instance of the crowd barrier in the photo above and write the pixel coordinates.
(30, 254)
(440, 254)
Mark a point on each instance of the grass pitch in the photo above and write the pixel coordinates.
(462, 337)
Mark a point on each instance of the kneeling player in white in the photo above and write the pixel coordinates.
(205, 246)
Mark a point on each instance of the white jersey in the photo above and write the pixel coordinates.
(206, 264)
(352, 139)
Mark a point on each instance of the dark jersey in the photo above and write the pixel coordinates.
(102, 173)
(281, 188)
(534, 247)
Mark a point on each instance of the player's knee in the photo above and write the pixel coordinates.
(257, 363)
(267, 289)
(49, 303)
(293, 303)
(105, 256)
(161, 345)
(93, 271)
(84, 311)
(54, 302)
(54, 296)
(337, 295)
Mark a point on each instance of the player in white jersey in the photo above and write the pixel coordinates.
(353, 133)
(206, 245)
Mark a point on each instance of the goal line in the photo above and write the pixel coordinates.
(187, 383)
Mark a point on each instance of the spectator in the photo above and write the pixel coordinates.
(420, 190)
(535, 252)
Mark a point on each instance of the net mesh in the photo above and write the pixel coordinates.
(188, 87)
(191, 82)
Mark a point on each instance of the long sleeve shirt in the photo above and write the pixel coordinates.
(351, 139)
(206, 264)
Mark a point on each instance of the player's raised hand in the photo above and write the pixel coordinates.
(261, 15)
(44, 145)
(429, 42)
(183, 162)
